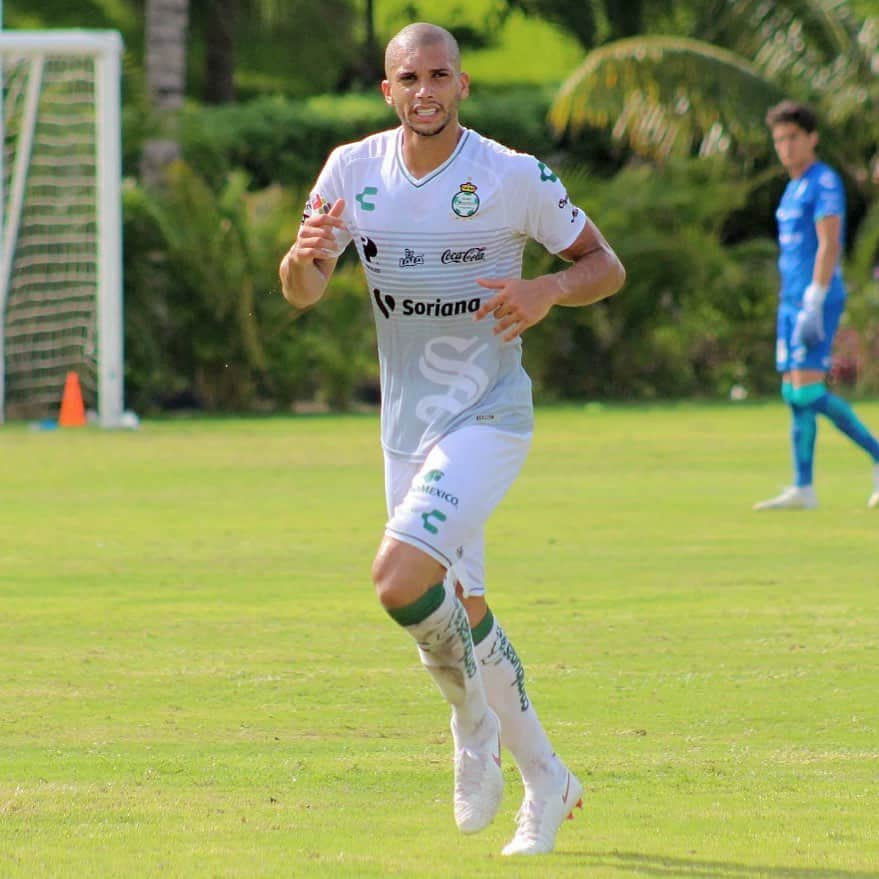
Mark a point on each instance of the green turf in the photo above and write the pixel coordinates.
(197, 681)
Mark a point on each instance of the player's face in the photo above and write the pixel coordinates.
(425, 87)
(794, 146)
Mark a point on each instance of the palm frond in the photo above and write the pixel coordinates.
(669, 96)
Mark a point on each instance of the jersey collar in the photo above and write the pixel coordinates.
(421, 181)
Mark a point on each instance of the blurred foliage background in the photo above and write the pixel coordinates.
(651, 110)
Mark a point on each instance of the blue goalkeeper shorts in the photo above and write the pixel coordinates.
(789, 356)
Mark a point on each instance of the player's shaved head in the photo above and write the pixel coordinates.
(416, 35)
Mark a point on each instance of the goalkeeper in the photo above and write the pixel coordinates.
(811, 229)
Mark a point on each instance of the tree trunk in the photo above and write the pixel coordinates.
(166, 32)
(220, 27)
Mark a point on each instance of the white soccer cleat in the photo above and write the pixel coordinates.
(479, 782)
(873, 502)
(539, 820)
(797, 497)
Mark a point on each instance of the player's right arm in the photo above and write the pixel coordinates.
(307, 266)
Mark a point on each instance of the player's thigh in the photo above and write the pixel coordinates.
(820, 357)
(784, 331)
(456, 489)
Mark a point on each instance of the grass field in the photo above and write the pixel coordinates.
(197, 681)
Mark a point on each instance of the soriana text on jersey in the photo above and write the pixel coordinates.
(415, 308)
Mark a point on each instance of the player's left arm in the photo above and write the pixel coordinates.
(809, 328)
(596, 273)
(829, 231)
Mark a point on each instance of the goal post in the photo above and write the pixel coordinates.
(61, 233)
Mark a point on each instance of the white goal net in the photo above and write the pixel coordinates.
(61, 258)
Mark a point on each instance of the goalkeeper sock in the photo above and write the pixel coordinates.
(803, 431)
(438, 623)
(521, 730)
(844, 419)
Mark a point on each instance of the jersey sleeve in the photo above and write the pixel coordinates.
(541, 207)
(830, 196)
(327, 189)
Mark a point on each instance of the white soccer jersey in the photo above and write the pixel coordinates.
(423, 243)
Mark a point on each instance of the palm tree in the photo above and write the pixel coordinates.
(165, 50)
(707, 92)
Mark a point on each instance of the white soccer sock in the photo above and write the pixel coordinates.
(521, 730)
(446, 649)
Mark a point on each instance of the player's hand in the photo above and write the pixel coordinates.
(809, 328)
(517, 304)
(316, 242)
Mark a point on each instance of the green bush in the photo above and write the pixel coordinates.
(695, 316)
(287, 141)
(206, 324)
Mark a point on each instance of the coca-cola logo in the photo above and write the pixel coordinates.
(471, 254)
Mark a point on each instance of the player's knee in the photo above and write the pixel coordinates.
(402, 574)
(392, 581)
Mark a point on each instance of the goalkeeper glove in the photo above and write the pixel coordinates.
(809, 328)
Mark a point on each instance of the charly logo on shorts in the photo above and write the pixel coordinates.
(465, 202)
(426, 520)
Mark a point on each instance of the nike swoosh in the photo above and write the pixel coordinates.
(567, 791)
(497, 757)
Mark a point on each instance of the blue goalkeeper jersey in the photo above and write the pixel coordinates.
(817, 194)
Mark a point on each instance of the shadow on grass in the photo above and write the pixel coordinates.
(684, 868)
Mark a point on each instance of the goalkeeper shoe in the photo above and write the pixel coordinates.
(797, 497)
(539, 819)
(479, 782)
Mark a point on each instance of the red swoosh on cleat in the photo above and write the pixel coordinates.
(567, 790)
(497, 757)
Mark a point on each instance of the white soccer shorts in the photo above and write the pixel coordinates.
(441, 505)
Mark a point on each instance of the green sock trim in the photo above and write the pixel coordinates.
(808, 394)
(482, 628)
(421, 608)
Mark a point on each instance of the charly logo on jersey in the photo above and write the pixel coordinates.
(425, 308)
(546, 175)
(468, 255)
(465, 202)
(410, 258)
(362, 198)
(450, 361)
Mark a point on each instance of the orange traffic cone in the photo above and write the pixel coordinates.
(72, 409)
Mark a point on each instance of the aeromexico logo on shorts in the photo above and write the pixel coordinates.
(429, 487)
(425, 308)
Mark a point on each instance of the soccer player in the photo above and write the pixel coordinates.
(811, 230)
(440, 215)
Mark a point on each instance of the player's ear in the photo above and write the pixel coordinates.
(386, 91)
(464, 79)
